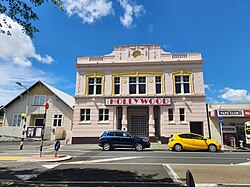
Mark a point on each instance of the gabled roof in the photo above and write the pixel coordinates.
(67, 99)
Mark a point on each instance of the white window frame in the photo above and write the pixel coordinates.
(39, 102)
(182, 83)
(158, 83)
(137, 83)
(57, 120)
(103, 114)
(184, 114)
(172, 115)
(85, 114)
(18, 117)
(117, 84)
(95, 85)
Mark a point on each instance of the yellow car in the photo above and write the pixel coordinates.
(191, 141)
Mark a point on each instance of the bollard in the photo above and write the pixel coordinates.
(241, 144)
(189, 179)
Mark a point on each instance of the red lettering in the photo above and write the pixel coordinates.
(111, 101)
(163, 101)
(144, 101)
(124, 101)
(136, 100)
(119, 101)
(130, 101)
(151, 101)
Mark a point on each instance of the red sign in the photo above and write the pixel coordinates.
(138, 101)
(247, 113)
(46, 106)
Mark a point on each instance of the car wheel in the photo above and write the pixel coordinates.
(177, 147)
(106, 146)
(138, 147)
(212, 148)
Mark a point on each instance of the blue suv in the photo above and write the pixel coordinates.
(121, 139)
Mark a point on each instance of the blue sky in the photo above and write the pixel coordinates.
(220, 30)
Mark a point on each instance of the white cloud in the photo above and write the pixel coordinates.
(18, 47)
(130, 10)
(88, 10)
(11, 73)
(236, 96)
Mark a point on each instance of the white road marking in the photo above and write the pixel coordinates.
(172, 173)
(111, 159)
(26, 177)
(243, 164)
(50, 166)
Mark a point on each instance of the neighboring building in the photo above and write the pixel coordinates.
(234, 117)
(1, 121)
(59, 115)
(141, 89)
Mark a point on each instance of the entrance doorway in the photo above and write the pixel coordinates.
(38, 122)
(138, 121)
(196, 127)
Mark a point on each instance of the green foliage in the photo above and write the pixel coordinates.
(21, 12)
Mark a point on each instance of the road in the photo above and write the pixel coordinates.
(93, 167)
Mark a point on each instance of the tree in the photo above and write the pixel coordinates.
(21, 12)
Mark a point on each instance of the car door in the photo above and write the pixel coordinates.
(199, 143)
(186, 141)
(124, 139)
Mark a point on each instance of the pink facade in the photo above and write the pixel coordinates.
(140, 89)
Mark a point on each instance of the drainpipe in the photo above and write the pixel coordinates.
(208, 122)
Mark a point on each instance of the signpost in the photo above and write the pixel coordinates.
(44, 122)
(220, 118)
(57, 147)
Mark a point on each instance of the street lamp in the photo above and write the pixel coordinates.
(24, 116)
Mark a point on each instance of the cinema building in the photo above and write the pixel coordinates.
(141, 89)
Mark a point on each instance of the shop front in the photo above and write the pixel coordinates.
(233, 124)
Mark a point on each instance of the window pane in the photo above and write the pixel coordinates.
(106, 117)
(132, 79)
(19, 121)
(158, 79)
(91, 80)
(170, 111)
(87, 111)
(98, 89)
(117, 80)
(182, 110)
(98, 80)
(54, 124)
(185, 78)
(42, 100)
(100, 111)
(100, 117)
(158, 88)
(182, 118)
(55, 116)
(60, 116)
(87, 117)
(142, 79)
(132, 89)
(117, 89)
(177, 78)
(142, 88)
(82, 117)
(106, 111)
(177, 88)
(186, 88)
(91, 89)
(59, 122)
(36, 100)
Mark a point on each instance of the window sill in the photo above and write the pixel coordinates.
(183, 123)
(84, 123)
(171, 123)
(103, 122)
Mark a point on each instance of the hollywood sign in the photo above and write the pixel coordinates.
(138, 101)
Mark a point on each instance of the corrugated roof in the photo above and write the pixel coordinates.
(66, 98)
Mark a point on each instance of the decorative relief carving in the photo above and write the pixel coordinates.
(150, 80)
(124, 80)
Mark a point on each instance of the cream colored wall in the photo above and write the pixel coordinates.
(93, 128)
(56, 106)
(195, 111)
